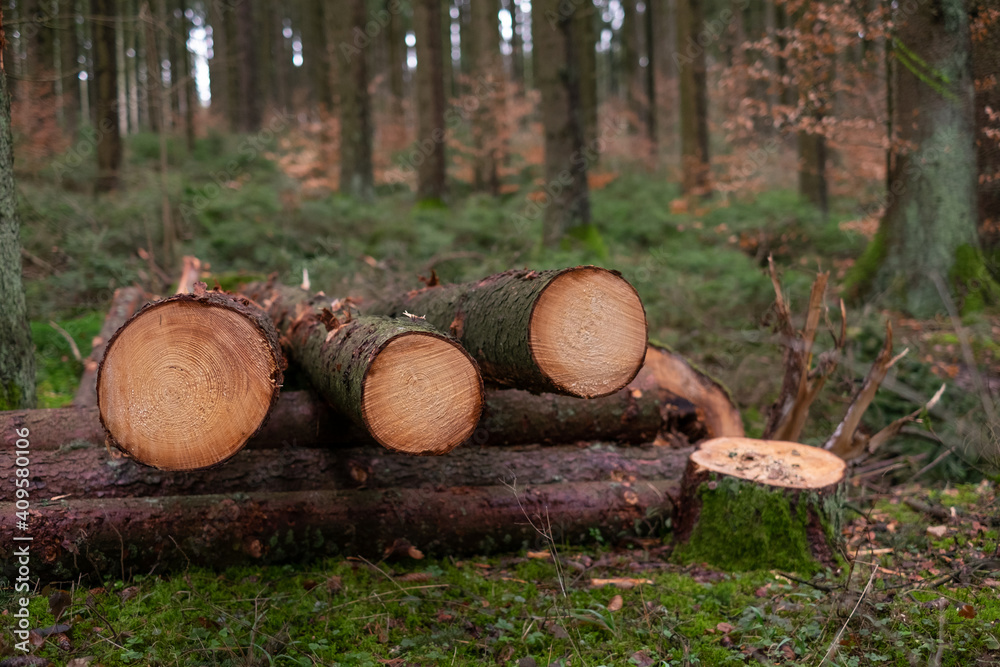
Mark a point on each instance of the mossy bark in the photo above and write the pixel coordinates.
(336, 360)
(492, 320)
(738, 525)
(17, 354)
(932, 198)
(75, 537)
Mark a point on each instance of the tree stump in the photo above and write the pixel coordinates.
(188, 380)
(750, 504)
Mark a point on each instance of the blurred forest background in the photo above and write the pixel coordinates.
(679, 141)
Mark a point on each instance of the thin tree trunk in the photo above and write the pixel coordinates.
(69, 48)
(694, 100)
(220, 62)
(429, 149)
(356, 176)
(186, 78)
(584, 22)
(17, 357)
(629, 41)
(248, 69)
(488, 93)
(314, 53)
(109, 145)
(395, 35)
(651, 80)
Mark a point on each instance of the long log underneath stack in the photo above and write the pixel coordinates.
(189, 379)
(139, 535)
(578, 331)
(413, 389)
(760, 504)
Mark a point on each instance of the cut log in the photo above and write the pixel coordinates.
(760, 504)
(73, 538)
(88, 472)
(124, 303)
(579, 331)
(189, 379)
(412, 388)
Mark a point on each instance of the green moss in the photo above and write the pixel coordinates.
(971, 280)
(744, 526)
(10, 396)
(861, 277)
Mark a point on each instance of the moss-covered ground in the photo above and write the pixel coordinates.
(931, 600)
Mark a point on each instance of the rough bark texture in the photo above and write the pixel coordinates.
(930, 219)
(124, 303)
(90, 471)
(337, 357)
(356, 176)
(429, 149)
(72, 537)
(109, 144)
(487, 91)
(242, 307)
(693, 99)
(557, 75)
(17, 356)
(739, 524)
(492, 320)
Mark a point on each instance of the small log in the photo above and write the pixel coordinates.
(579, 331)
(412, 388)
(189, 379)
(124, 303)
(760, 504)
(74, 538)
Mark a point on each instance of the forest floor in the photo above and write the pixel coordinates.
(701, 273)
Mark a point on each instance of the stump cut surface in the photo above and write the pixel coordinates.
(771, 462)
(186, 383)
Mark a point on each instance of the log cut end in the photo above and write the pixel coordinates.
(186, 382)
(588, 332)
(760, 504)
(422, 395)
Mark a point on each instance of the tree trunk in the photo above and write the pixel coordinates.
(89, 472)
(812, 169)
(262, 527)
(815, 100)
(429, 150)
(188, 380)
(187, 78)
(578, 331)
(396, 35)
(17, 357)
(696, 179)
(413, 389)
(760, 505)
(356, 176)
(650, 80)
(557, 76)
(629, 40)
(986, 65)
(584, 23)
(220, 62)
(928, 232)
(487, 91)
(516, 43)
(69, 49)
(109, 144)
(124, 303)
(315, 53)
(248, 68)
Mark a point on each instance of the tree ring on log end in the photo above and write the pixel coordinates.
(771, 462)
(186, 383)
(588, 332)
(422, 394)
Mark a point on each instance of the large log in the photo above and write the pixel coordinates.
(750, 504)
(579, 331)
(189, 379)
(89, 472)
(127, 536)
(412, 388)
(124, 303)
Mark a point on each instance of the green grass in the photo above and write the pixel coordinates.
(500, 610)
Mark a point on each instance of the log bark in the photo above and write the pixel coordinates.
(124, 303)
(73, 538)
(188, 380)
(579, 331)
(760, 504)
(89, 471)
(412, 388)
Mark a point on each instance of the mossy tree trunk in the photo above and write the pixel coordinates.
(17, 355)
(760, 504)
(928, 233)
(356, 175)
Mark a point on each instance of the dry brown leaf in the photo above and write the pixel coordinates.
(615, 604)
(724, 628)
(937, 531)
(967, 611)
